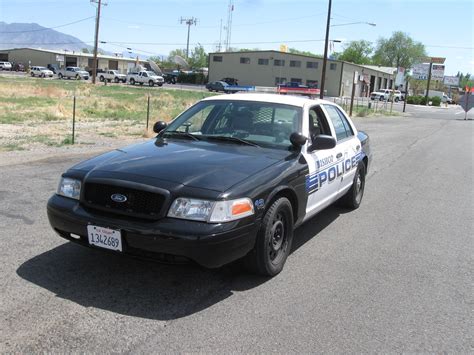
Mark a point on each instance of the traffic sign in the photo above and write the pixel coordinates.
(466, 101)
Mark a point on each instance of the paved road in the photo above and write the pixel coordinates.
(393, 276)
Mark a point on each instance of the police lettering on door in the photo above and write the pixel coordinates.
(329, 173)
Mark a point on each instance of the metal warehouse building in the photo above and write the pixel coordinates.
(64, 58)
(269, 68)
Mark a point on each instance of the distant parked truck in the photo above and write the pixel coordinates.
(112, 75)
(145, 77)
(73, 73)
(444, 98)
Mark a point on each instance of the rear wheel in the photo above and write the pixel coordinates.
(101, 78)
(353, 197)
(43, 75)
(273, 243)
(60, 76)
(397, 99)
(32, 74)
(132, 81)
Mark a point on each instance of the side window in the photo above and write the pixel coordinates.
(317, 122)
(339, 121)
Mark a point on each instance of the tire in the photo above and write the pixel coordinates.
(77, 77)
(151, 83)
(160, 85)
(60, 76)
(116, 80)
(353, 197)
(32, 74)
(43, 75)
(132, 81)
(101, 78)
(273, 243)
(397, 99)
(381, 98)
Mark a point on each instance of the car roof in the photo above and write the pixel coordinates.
(271, 98)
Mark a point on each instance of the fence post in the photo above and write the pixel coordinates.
(148, 112)
(73, 118)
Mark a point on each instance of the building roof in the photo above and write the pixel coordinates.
(74, 53)
(386, 70)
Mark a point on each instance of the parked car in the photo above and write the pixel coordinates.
(385, 95)
(53, 67)
(18, 67)
(145, 77)
(230, 178)
(217, 86)
(170, 78)
(5, 66)
(73, 73)
(112, 75)
(42, 72)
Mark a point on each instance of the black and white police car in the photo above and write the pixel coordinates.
(229, 178)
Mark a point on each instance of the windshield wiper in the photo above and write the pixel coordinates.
(232, 139)
(181, 134)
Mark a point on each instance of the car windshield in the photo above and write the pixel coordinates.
(262, 123)
(42, 68)
(151, 73)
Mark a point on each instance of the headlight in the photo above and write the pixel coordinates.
(69, 188)
(211, 211)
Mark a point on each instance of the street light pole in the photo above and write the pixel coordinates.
(325, 59)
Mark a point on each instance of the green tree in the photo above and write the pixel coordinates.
(465, 80)
(400, 50)
(198, 57)
(357, 52)
(310, 54)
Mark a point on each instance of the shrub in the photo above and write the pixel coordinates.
(435, 100)
(193, 78)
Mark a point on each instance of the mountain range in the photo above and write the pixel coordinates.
(32, 35)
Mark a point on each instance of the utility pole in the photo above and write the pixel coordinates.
(429, 80)
(220, 37)
(229, 25)
(325, 59)
(189, 22)
(96, 41)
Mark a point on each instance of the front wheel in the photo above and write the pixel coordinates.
(273, 243)
(353, 197)
(78, 77)
(116, 80)
(151, 83)
(60, 76)
(397, 99)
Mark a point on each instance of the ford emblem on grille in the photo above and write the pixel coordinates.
(118, 198)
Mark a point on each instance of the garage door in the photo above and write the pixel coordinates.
(71, 61)
(3, 57)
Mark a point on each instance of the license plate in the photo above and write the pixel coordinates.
(104, 237)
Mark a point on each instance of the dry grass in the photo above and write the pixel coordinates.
(38, 112)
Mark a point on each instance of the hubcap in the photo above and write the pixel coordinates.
(359, 188)
(278, 241)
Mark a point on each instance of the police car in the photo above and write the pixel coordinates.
(230, 178)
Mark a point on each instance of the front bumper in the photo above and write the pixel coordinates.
(171, 240)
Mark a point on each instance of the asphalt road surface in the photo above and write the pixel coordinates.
(394, 276)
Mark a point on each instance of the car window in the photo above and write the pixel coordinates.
(339, 121)
(264, 123)
(317, 122)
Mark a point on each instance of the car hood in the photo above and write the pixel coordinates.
(200, 164)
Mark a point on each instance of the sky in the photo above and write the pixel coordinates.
(153, 27)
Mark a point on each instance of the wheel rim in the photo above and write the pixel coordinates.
(278, 240)
(359, 183)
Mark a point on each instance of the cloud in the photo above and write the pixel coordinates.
(134, 27)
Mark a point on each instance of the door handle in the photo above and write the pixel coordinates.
(338, 155)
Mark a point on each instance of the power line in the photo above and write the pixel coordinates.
(51, 28)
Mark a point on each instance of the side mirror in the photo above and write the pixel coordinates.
(159, 126)
(323, 141)
(297, 139)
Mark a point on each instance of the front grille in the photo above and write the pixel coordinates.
(139, 203)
